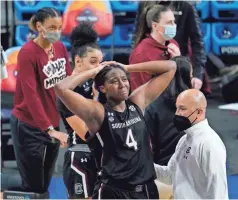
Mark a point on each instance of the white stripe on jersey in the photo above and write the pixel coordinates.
(81, 174)
(74, 138)
(100, 139)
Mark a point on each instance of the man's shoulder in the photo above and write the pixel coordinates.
(212, 142)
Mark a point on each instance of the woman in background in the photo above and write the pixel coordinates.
(155, 33)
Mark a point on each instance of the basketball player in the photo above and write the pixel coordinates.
(80, 170)
(127, 163)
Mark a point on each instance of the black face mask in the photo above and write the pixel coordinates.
(183, 123)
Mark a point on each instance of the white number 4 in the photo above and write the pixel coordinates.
(130, 141)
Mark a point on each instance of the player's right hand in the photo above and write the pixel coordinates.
(62, 137)
(173, 50)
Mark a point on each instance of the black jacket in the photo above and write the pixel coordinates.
(164, 136)
(188, 28)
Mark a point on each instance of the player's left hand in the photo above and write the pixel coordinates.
(122, 65)
(105, 63)
(196, 83)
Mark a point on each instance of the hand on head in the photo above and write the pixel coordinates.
(113, 63)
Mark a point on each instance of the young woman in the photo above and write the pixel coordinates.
(188, 36)
(155, 34)
(127, 163)
(80, 170)
(42, 63)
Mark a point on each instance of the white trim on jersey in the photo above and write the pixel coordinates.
(74, 138)
(102, 144)
(81, 174)
(99, 191)
(44, 156)
(100, 139)
(146, 189)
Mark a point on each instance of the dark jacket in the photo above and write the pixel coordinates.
(164, 136)
(188, 29)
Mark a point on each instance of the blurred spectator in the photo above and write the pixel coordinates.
(154, 40)
(188, 31)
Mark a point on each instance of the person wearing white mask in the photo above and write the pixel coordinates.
(188, 36)
(197, 169)
(154, 40)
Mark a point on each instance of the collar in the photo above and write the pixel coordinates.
(196, 127)
(153, 42)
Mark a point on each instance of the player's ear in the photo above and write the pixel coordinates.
(200, 111)
(78, 61)
(102, 89)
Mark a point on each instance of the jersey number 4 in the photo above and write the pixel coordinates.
(130, 141)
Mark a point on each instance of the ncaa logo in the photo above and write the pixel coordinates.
(78, 188)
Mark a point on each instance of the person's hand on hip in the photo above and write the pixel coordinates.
(62, 137)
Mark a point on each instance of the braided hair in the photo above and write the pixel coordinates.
(101, 78)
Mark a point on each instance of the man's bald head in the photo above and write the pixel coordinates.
(190, 101)
(194, 97)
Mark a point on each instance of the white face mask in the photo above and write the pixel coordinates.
(52, 37)
(169, 31)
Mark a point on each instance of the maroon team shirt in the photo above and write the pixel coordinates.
(147, 50)
(35, 99)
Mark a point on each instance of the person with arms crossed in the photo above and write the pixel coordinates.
(42, 62)
(80, 169)
(127, 163)
(197, 169)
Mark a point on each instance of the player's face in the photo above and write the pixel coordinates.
(92, 59)
(117, 85)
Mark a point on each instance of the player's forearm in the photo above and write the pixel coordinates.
(74, 80)
(152, 67)
(163, 174)
(78, 126)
